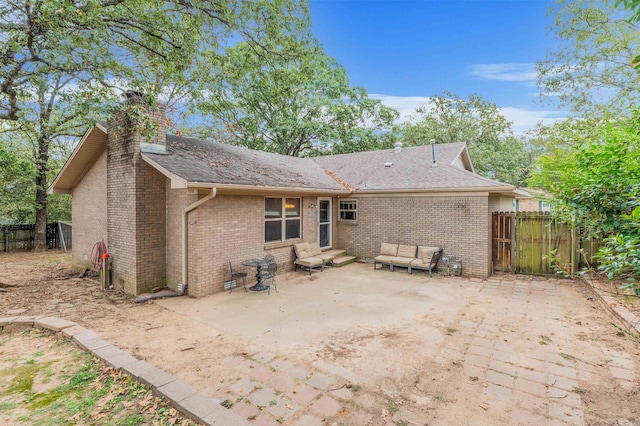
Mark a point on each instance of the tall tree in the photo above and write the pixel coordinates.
(496, 153)
(591, 71)
(287, 96)
(61, 60)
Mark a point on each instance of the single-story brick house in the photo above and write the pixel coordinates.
(176, 210)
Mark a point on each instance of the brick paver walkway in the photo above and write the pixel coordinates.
(522, 357)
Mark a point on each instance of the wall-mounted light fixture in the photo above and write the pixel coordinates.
(312, 206)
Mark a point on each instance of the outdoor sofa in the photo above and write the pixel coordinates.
(408, 256)
(309, 256)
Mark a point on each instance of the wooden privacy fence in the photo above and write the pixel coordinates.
(521, 241)
(22, 237)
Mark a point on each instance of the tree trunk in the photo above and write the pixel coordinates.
(42, 160)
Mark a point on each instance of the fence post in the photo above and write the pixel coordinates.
(5, 231)
(64, 245)
(574, 251)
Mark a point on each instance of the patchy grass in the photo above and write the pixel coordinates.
(544, 340)
(392, 407)
(60, 384)
(442, 399)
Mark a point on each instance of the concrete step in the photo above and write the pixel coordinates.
(335, 253)
(344, 260)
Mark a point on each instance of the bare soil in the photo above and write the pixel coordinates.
(430, 385)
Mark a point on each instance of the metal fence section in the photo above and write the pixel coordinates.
(65, 236)
(22, 237)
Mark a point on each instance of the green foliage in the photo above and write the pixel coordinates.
(634, 7)
(495, 152)
(286, 95)
(62, 65)
(595, 184)
(18, 184)
(620, 258)
(591, 69)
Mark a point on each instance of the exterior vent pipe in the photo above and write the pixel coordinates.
(433, 153)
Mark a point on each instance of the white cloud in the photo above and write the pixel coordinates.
(405, 105)
(512, 71)
(523, 118)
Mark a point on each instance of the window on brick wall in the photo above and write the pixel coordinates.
(281, 219)
(348, 210)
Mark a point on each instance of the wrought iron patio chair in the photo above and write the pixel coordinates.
(268, 273)
(236, 276)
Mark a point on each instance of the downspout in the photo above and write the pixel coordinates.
(185, 235)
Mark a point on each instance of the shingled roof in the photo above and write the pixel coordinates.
(198, 161)
(190, 162)
(411, 168)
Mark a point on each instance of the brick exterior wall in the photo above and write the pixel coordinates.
(528, 205)
(460, 225)
(231, 228)
(136, 206)
(177, 200)
(89, 212)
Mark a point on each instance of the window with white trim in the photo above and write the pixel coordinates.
(281, 219)
(348, 210)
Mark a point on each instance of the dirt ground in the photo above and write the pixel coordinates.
(418, 368)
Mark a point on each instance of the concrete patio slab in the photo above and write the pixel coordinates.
(441, 349)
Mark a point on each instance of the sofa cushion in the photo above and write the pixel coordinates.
(302, 250)
(328, 258)
(387, 249)
(315, 248)
(406, 251)
(402, 261)
(419, 264)
(426, 253)
(383, 259)
(309, 262)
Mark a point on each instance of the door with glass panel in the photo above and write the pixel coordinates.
(324, 222)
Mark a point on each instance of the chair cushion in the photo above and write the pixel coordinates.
(302, 250)
(426, 253)
(403, 261)
(326, 257)
(383, 259)
(309, 262)
(315, 249)
(387, 249)
(419, 264)
(407, 251)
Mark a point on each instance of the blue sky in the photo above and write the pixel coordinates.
(402, 52)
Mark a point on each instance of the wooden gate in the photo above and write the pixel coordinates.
(523, 243)
(538, 236)
(502, 241)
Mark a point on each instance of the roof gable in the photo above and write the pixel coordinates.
(85, 154)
